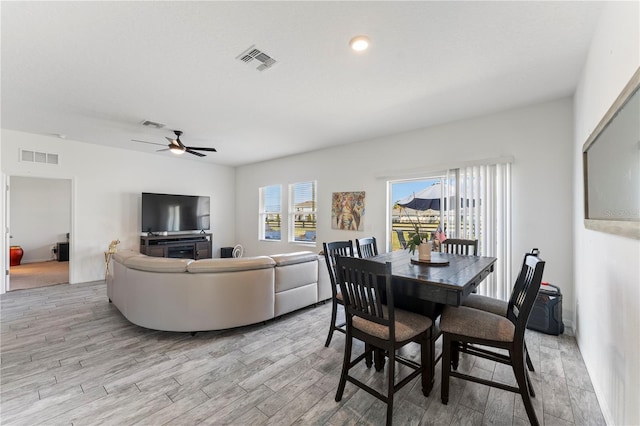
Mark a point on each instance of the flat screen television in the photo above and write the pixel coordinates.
(174, 213)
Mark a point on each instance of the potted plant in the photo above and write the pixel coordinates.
(416, 238)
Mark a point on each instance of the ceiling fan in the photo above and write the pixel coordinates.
(177, 147)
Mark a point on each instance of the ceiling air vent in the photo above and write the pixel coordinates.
(253, 54)
(38, 157)
(153, 124)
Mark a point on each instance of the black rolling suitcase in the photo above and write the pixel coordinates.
(546, 315)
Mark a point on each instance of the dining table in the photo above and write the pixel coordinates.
(427, 287)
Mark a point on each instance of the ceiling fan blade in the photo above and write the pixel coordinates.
(166, 149)
(202, 149)
(151, 143)
(194, 153)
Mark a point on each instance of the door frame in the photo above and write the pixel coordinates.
(6, 243)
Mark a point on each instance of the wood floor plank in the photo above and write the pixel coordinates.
(499, 408)
(475, 395)
(556, 399)
(70, 357)
(173, 411)
(585, 406)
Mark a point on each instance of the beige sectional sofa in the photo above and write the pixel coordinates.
(214, 294)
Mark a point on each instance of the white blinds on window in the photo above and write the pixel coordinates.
(482, 211)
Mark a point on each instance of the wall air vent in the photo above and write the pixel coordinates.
(38, 157)
(252, 54)
(153, 124)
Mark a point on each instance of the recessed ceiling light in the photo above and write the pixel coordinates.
(359, 43)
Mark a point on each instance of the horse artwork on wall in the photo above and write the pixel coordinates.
(347, 210)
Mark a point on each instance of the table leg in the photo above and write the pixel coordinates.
(429, 360)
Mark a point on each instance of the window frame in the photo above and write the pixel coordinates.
(263, 212)
(293, 212)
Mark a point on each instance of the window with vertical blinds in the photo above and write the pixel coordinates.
(270, 221)
(302, 212)
(482, 211)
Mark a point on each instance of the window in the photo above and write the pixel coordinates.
(270, 219)
(302, 212)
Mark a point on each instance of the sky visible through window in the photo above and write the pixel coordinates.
(400, 190)
(272, 198)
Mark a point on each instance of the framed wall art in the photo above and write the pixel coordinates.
(347, 210)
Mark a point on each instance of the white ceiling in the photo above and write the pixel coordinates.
(94, 70)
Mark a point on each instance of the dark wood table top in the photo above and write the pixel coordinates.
(440, 284)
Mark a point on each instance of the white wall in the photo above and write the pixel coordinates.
(607, 267)
(40, 215)
(106, 187)
(539, 137)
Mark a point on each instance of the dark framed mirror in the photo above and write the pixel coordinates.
(611, 164)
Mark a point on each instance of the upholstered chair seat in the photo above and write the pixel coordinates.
(407, 324)
(487, 304)
(463, 320)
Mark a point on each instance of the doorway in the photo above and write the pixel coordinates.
(39, 229)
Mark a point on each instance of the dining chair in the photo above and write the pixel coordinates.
(497, 306)
(401, 238)
(460, 325)
(379, 326)
(367, 247)
(331, 250)
(460, 246)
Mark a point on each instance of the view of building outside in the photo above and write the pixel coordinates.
(302, 212)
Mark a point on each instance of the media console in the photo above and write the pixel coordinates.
(183, 246)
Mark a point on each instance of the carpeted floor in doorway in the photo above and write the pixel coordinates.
(38, 274)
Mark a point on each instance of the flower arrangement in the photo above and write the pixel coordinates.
(416, 237)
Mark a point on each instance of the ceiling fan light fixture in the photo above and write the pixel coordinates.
(359, 43)
(176, 150)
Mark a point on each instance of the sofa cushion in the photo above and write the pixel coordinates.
(157, 264)
(292, 258)
(230, 264)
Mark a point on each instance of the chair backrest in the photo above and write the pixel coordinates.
(401, 239)
(525, 292)
(331, 251)
(460, 246)
(367, 247)
(360, 281)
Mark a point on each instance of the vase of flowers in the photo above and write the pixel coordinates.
(418, 239)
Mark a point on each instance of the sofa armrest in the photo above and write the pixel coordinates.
(293, 258)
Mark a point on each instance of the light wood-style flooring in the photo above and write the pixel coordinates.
(70, 358)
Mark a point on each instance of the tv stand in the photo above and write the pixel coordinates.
(184, 246)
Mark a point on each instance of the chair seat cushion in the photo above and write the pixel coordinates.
(471, 322)
(487, 304)
(408, 325)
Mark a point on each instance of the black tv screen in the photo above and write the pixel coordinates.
(174, 213)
